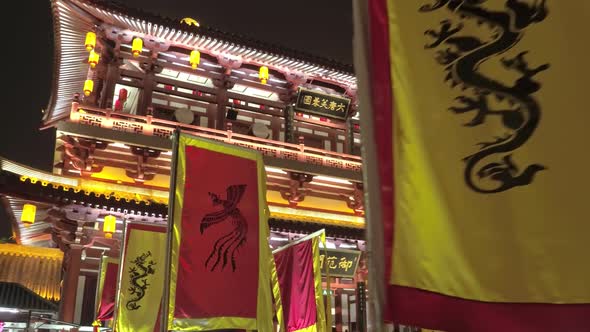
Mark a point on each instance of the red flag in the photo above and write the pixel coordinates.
(107, 288)
(220, 255)
(474, 238)
(297, 285)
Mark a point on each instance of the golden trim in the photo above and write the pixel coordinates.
(280, 212)
(276, 291)
(38, 252)
(121, 191)
(321, 320)
(216, 323)
(312, 328)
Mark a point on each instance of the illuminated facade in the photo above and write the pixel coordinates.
(124, 80)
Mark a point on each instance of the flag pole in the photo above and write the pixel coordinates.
(120, 272)
(303, 239)
(328, 286)
(373, 216)
(98, 291)
(171, 199)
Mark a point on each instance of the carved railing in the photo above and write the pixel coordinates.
(148, 125)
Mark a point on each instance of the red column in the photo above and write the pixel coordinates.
(72, 264)
(338, 309)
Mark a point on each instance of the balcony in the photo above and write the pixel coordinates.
(150, 126)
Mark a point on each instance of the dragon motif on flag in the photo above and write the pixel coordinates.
(462, 57)
(227, 245)
(138, 275)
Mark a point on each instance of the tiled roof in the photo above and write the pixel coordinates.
(218, 34)
(13, 295)
(37, 269)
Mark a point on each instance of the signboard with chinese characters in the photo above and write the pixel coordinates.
(342, 263)
(321, 104)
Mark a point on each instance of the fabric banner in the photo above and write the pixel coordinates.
(142, 278)
(487, 215)
(107, 288)
(220, 269)
(297, 286)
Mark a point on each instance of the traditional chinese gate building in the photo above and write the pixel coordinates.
(125, 79)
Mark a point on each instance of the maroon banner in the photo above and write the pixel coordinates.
(106, 307)
(296, 285)
(219, 246)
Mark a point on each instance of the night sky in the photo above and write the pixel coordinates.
(322, 28)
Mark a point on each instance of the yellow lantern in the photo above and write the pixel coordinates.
(263, 74)
(137, 46)
(28, 215)
(195, 58)
(88, 87)
(93, 59)
(109, 226)
(90, 41)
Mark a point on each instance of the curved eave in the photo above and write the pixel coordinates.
(70, 68)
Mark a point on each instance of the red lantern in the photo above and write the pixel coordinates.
(123, 94)
(118, 105)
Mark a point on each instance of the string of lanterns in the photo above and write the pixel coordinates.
(93, 59)
(136, 50)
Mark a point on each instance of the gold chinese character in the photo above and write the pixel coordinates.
(307, 100)
(332, 106)
(345, 264)
(340, 107)
(324, 103)
(332, 262)
(316, 102)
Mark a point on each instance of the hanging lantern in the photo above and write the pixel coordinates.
(90, 41)
(195, 58)
(88, 87)
(109, 226)
(263, 74)
(28, 215)
(137, 46)
(93, 59)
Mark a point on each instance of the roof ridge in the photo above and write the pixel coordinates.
(214, 32)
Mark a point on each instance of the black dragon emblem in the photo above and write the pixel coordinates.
(138, 275)
(462, 56)
(230, 243)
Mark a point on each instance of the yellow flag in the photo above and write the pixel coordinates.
(487, 121)
(492, 176)
(142, 278)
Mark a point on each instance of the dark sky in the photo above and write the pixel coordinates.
(320, 27)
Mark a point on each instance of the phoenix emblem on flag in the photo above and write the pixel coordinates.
(138, 275)
(462, 55)
(227, 245)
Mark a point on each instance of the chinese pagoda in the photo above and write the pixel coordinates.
(124, 81)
